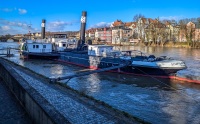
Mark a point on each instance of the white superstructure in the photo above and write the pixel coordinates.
(37, 46)
(62, 43)
(99, 50)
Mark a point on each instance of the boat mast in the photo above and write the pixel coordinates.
(83, 25)
(43, 29)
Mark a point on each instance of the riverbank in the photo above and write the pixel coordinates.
(175, 44)
(166, 44)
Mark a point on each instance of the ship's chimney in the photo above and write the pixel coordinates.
(83, 25)
(43, 29)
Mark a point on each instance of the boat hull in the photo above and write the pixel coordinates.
(29, 55)
(95, 62)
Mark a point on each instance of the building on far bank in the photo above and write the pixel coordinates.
(90, 34)
(141, 25)
(173, 31)
(73, 34)
(197, 31)
(156, 32)
(187, 32)
(122, 32)
(103, 35)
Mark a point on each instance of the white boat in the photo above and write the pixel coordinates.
(37, 49)
(155, 65)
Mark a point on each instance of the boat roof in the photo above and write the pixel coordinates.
(39, 43)
(97, 45)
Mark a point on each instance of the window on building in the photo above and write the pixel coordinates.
(33, 46)
(37, 46)
(44, 46)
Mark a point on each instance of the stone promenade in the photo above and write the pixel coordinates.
(11, 112)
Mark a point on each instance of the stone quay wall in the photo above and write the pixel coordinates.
(36, 106)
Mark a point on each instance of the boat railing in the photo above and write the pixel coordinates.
(134, 53)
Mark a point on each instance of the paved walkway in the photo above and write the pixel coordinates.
(76, 111)
(10, 110)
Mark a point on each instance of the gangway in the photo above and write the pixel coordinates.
(8, 53)
(53, 80)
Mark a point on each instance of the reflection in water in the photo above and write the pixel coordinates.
(57, 70)
(177, 108)
(147, 98)
(156, 101)
(93, 83)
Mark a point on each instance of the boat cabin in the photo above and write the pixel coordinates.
(62, 43)
(99, 50)
(36, 47)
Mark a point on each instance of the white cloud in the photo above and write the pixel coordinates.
(5, 28)
(14, 27)
(13, 23)
(7, 9)
(17, 27)
(59, 25)
(22, 11)
(8, 30)
(101, 25)
(171, 17)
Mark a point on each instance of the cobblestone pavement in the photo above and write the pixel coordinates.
(76, 112)
(10, 110)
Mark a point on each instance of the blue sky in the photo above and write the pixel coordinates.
(64, 15)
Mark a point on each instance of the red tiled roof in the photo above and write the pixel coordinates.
(127, 24)
(92, 30)
(117, 23)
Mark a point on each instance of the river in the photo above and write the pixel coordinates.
(153, 100)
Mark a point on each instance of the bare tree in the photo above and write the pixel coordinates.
(137, 16)
(188, 31)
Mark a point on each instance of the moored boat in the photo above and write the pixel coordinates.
(103, 56)
(37, 49)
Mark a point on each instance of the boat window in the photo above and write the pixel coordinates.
(64, 45)
(37, 46)
(33, 46)
(44, 46)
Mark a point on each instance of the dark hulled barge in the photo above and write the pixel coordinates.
(103, 56)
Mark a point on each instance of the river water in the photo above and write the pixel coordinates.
(153, 100)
